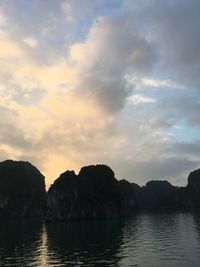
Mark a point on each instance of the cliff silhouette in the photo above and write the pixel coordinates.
(22, 190)
(93, 193)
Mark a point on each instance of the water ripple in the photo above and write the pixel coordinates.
(145, 240)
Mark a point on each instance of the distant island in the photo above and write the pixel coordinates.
(94, 193)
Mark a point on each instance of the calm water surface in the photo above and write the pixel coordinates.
(145, 240)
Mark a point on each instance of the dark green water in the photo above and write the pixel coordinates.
(146, 240)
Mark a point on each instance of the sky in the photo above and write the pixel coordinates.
(113, 82)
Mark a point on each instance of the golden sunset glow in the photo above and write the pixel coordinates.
(99, 85)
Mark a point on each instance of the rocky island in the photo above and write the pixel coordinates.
(22, 190)
(96, 193)
(93, 193)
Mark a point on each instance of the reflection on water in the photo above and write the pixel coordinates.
(85, 242)
(20, 242)
(145, 240)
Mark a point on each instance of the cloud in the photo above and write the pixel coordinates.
(9, 49)
(77, 86)
(174, 27)
(30, 42)
(155, 83)
(112, 49)
(138, 99)
(184, 107)
(13, 139)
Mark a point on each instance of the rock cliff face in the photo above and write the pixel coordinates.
(193, 189)
(128, 198)
(161, 196)
(93, 193)
(22, 190)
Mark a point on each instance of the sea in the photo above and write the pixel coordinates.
(153, 240)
